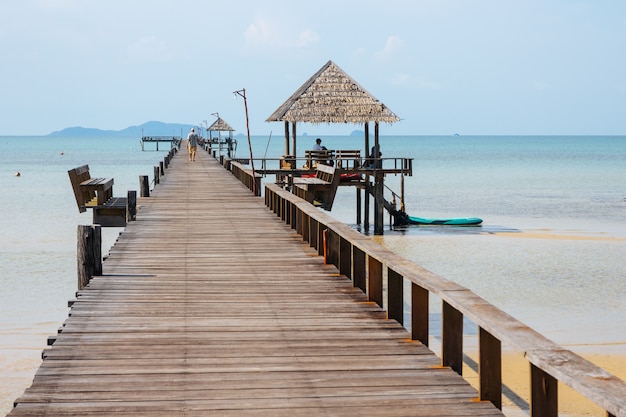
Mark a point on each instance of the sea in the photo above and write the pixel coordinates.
(551, 250)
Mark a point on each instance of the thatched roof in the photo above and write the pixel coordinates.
(332, 96)
(220, 125)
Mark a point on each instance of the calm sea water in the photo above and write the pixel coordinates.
(551, 250)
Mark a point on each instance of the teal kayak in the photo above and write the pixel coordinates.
(455, 221)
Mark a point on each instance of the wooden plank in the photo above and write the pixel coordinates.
(210, 306)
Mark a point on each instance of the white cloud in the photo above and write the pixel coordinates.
(392, 45)
(307, 37)
(149, 49)
(259, 33)
(265, 33)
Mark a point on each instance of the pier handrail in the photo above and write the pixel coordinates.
(395, 165)
(366, 263)
(249, 178)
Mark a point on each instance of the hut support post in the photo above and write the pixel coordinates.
(286, 138)
(366, 207)
(358, 205)
(293, 138)
(367, 137)
(379, 204)
(402, 208)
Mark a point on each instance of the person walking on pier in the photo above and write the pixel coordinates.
(192, 144)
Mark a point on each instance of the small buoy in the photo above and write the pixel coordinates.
(17, 174)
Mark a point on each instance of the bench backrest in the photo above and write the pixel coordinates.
(322, 154)
(78, 175)
(316, 157)
(346, 155)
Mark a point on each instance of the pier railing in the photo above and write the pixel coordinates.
(289, 164)
(368, 264)
(250, 179)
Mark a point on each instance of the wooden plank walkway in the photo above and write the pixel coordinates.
(210, 305)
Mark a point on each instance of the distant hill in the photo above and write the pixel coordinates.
(146, 129)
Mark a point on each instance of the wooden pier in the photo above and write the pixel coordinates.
(174, 141)
(211, 304)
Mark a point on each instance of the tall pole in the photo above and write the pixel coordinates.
(242, 93)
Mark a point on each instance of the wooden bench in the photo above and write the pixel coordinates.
(347, 156)
(313, 158)
(319, 190)
(97, 194)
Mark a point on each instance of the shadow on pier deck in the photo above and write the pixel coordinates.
(210, 305)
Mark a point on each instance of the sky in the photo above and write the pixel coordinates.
(472, 67)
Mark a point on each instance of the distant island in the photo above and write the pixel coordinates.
(146, 129)
(153, 128)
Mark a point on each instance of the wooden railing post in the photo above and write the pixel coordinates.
(157, 175)
(345, 257)
(257, 185)
(375, 279)
(490, 368)
(89, 253)
(332, 242)
(359, 271)
(144, 186)
(320, 238)
(543, 393)
(395, 296)
(452, 338)
(419, 313)
(131, 205)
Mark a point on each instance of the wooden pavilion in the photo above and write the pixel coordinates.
(332, 96)
(220, 126)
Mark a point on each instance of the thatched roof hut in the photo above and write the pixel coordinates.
(331, 96)
(220, 126)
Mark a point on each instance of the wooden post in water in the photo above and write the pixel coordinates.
(366, 207)
(157, 175)
(89, 254)
(144, 186)
(131, 205)
(379, 181)
(358, 206)
(379, 204)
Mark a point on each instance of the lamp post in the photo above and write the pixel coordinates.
(242, 93)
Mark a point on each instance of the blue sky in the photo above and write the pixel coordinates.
(483, 67)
